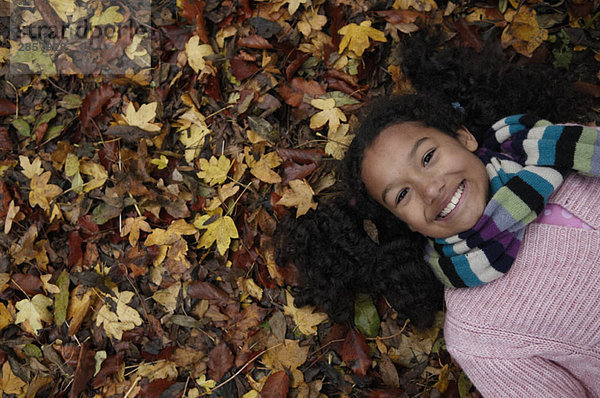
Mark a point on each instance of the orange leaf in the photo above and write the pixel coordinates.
(276, 386)
(355, 352)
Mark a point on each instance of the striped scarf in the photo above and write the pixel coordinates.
(526, 159)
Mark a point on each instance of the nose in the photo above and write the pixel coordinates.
(430, 188)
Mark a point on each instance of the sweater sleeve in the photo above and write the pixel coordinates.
(522, 377)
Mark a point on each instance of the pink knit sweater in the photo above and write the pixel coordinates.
(535, 332)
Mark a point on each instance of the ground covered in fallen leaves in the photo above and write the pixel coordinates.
(143, 175)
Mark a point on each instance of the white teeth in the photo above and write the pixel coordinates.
(452, 204)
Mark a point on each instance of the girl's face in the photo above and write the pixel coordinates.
(428, 179)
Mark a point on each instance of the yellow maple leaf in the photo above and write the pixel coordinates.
(31, 169)
(214, 171)
(161, 369)
(34, 311)
(143, 117)
(207, 384)
(168, 297)
(263, 167)
(41, 192)
(288, 357)
(109, 16)
(356, 37)
(10, 383)
(11, 215)
(195, 53)
(418, 5)
(97, 171)
(125, 318)
(329, 114)
(219, 228)
(338, 141)
(305, 318)
(524, 32)
(294, 4)
(299, 195)
(49, 287)
(194, 130)
(63, 8)
(133, 226)
(5, 317)
(311, 20)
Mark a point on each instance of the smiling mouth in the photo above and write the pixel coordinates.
(453, 201)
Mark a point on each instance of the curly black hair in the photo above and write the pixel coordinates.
(457, 87)
(338, 260)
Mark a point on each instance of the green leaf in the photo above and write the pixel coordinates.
(366, 317)
(71, 101)
(464, 385)
(22, 127)
(46, 117)
(53, 132)
(103, 212)
(31, 350)
(342, 99)
(61, 299)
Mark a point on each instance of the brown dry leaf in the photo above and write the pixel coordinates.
(11, 216)
(356, 37)
(524, 32)
(287, 356)
(42, 193)
(81, 300)
(160, 369)
(305, 318)
(299, 195)
(133, 226)
(11, 384)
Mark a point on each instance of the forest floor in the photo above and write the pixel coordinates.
(143, 174)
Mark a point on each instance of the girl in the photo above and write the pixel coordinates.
(530, 331)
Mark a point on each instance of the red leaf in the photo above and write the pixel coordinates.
(292, 68)
(243, 258)
(40, 132)
(7, 107)
(293, 170)
(399, 16)
(340, 85)
(68, 352)
(109, 154)
(87, 227)
(303, 156)
(276, 386)
(280, 210)
(93, 102)
(588, 88)
(84, 372)
(468, 34)
(31, 284)
(220, 360)
(337, 333)
(207, 291)
(110, 367)
(255, 41)
(355, 352)
(6, 143)
(212, 87)
(193, 11)
(75, 252)
(154, 389)
(5, 199)
(242, 69)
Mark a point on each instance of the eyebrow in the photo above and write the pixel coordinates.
(411, 155)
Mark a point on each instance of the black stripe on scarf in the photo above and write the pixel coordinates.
(567, 143)
(526, 193)
(448, 269)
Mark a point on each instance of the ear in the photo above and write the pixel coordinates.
(464, 136)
